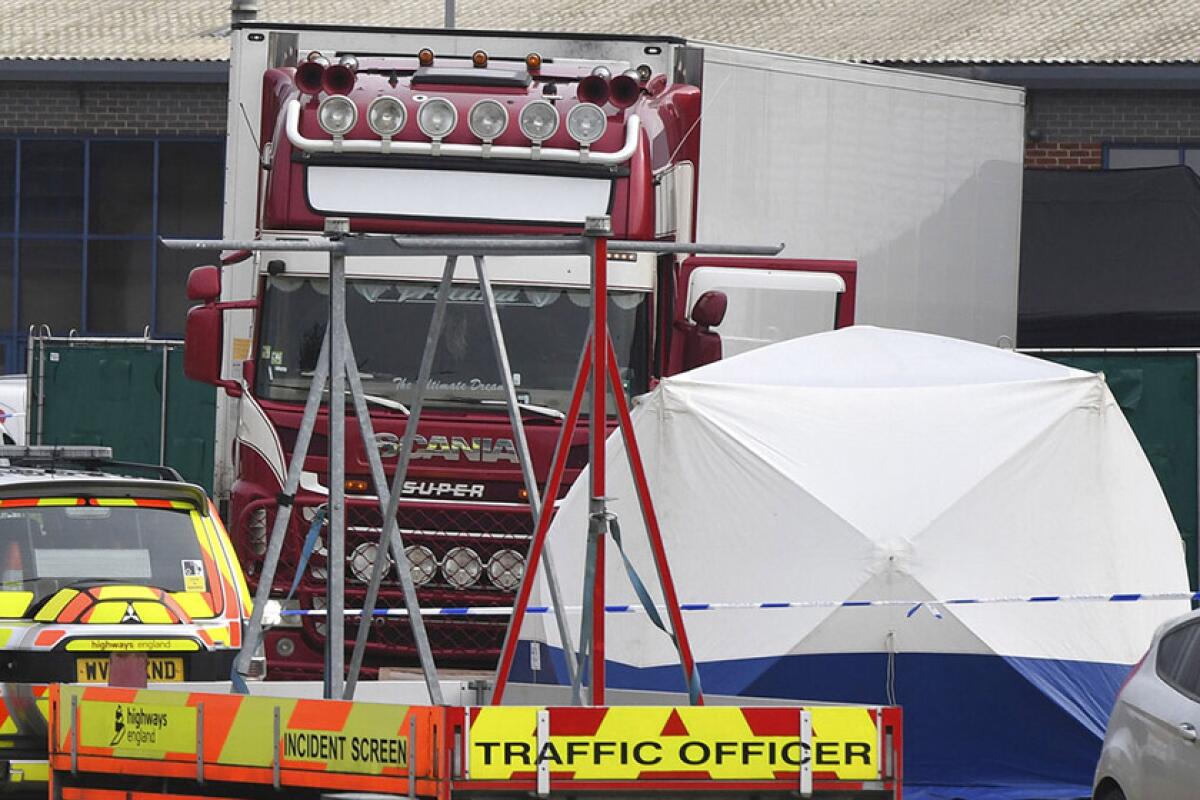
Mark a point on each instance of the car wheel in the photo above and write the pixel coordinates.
(1110, 792)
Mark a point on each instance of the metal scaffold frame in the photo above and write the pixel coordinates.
(598, 373)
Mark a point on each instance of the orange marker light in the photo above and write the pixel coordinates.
(533, 62)
(425, 57)
(479, 59)
(356, 485)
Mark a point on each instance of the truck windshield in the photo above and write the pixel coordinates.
(544, 329)
(45, 548)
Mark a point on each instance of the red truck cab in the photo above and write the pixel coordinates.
(462, 144)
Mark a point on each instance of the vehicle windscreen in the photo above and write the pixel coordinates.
(45, 548)
(543, 327)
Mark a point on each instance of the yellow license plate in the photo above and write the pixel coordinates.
(158, 670)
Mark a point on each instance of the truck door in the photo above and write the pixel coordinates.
(767, 300)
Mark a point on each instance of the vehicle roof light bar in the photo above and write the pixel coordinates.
(31, 453)
(633, 128)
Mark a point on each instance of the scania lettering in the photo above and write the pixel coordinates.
(492, 133)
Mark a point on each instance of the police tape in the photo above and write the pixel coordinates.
(912, 606)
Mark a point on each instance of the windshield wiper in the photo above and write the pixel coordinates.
(385, 402)
(544, 411)
(395, 405)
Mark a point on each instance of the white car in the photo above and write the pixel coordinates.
(1152, 745)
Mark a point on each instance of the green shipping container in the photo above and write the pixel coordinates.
(1157, 392)
(130, 395)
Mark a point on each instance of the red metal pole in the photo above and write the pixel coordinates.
(553, 484)
(654, 533)
(598, 429)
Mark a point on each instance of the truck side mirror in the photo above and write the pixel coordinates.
(204, 284)
(204, 336)
(701, 344)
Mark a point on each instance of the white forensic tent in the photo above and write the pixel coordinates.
(872, 464)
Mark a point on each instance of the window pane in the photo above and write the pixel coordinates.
(8, 177)
(1133, 157)
(121, 188)
(118, 287)
(1179, 656)
(51, 284)
(51, 187)
(6, 287)
(191, 180)
(173, 269)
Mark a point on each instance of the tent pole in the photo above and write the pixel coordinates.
(553, 484)
(654, 533)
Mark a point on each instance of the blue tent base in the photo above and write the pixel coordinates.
(1056, 791)
(975, 726)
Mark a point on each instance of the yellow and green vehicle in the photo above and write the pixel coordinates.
(98, 560)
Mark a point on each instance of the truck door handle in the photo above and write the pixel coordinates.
(1188, 731)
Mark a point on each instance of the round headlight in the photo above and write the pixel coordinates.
(386, 116)
(422, 563)
(539, 121)
(337, 115)
(362, 561)
(462, 567)
(586, 123)
(437, 117)
(487, 119)
(505, 569)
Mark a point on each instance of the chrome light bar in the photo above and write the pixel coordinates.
(633, 128)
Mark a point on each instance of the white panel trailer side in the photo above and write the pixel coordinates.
(916, 177)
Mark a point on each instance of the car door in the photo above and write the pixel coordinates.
(1171, 713)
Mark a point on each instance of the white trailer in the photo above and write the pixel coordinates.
(916, 177)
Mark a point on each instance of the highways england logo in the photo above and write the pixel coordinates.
(136, 727)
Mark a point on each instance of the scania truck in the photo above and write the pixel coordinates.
(896, 195)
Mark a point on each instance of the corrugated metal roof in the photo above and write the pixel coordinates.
(916, 31)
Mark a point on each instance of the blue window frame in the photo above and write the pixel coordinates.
(80, 219)
(1134, 156)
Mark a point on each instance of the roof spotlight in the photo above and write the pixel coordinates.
(316, 56)
(539, 121)
(644, 72)
(386, 115)
(586, 123)
(349, 62)
(436, 117)
(602, 72)
(337, 114)
(487, 119)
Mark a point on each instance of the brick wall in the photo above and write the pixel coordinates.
(1064, 155)
(129, 109)
(1068, 129)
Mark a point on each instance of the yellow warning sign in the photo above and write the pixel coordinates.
(719, 743)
